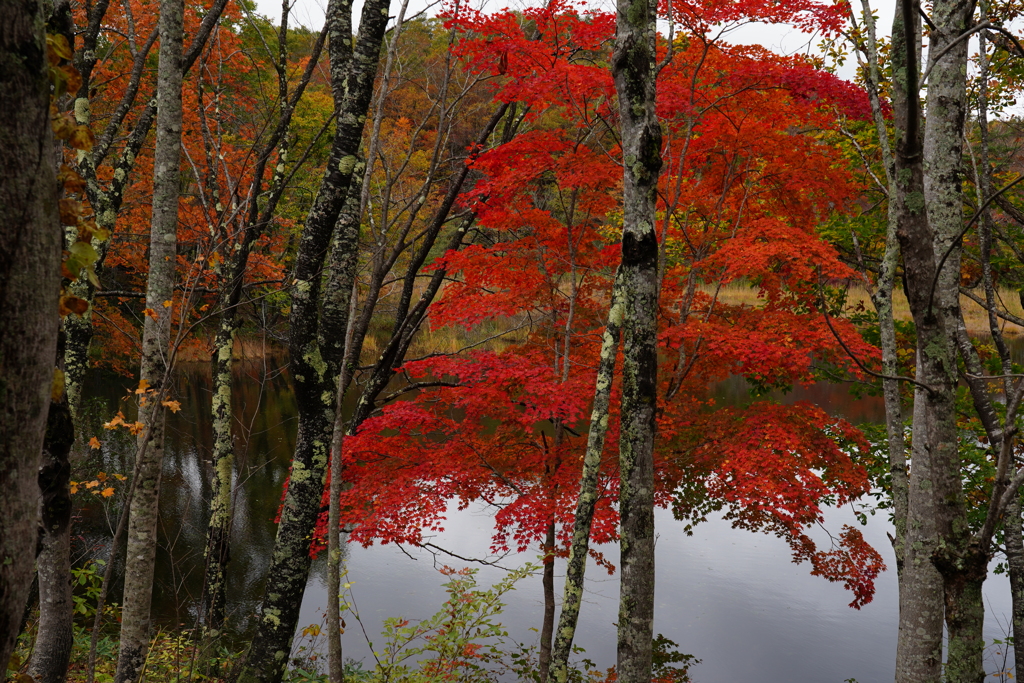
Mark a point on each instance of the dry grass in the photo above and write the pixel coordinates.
(739, 294)
(492, 335)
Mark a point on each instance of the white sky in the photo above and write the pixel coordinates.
(778, 38)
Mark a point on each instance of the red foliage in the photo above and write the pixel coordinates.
(746, 183)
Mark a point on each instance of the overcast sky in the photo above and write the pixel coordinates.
(780, 39)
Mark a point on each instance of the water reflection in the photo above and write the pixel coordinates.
(729, 597)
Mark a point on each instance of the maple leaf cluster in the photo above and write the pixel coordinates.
(747, 180)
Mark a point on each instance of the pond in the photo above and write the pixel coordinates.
(729, 597)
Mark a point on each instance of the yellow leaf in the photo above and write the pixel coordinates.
(91, 484)
(57, 387)
(136, 428)
(107, 492)
(82, 138)
(143, 386)
(120, 477)
(74, 486)
(116, 422)
(173, 406)
(72, 304)
(58, 45)
(94, 443)
(102, 476)
(150, 313)
(168, 303)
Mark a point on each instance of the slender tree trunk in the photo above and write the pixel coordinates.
(633, 69)
(217, 544)
(218, 551)
(1015, 559)
(29, 285)
(52, 650)
(344, 259)
(317, 340)
(576, 566)
(156, 337)
(881, 298)
(548, 582)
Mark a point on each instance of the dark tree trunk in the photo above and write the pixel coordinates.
(634, 72)
(29, 286)
(52, 650)
(316, 346)
(548, 624)
(1015, 560)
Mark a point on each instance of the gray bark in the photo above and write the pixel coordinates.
(919, 644)
(881, 296)
(938, 564)
(156, 338)
(633, 69)
(29, 286)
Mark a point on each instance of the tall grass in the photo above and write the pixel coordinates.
(975, 317)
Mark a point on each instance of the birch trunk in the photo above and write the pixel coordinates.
(316, 345)
(29, 285)
(633, 69)
(156, 338)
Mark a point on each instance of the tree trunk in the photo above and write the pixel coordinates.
(29, 286)
(156, 337)
(316, 344)
(576, 566)
(52, 650)
(935, 519)
(1015, 560)
(548, 623)
(965, 620)
(633, 69)
(217, 546)
(344, 259)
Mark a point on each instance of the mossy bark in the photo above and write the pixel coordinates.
(634, 72)
(1015, 561)
(316, 345)
(29, 286)
(576, 566)
(929, 176)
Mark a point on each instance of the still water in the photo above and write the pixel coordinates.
(731, 598)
